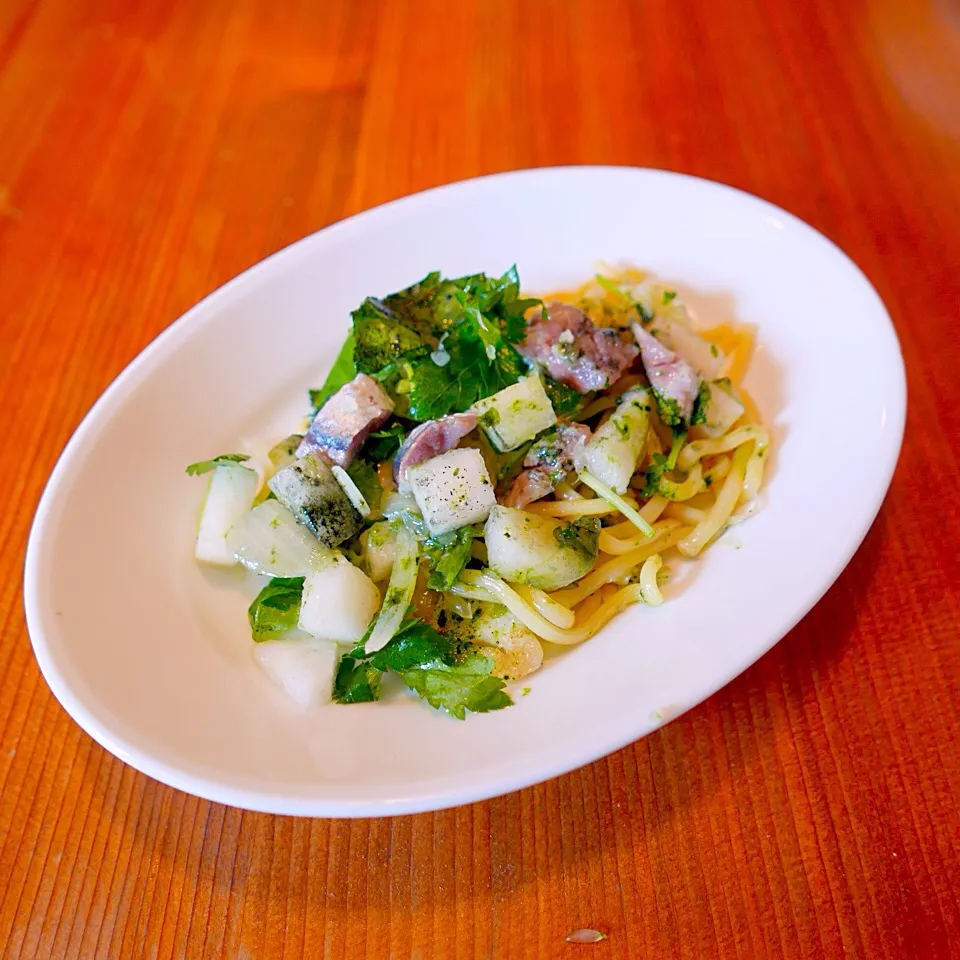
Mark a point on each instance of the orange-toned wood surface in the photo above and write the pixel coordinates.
(151, 149)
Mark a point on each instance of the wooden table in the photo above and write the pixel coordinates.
(149, 151)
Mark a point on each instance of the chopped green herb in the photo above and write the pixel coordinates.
(447, 555)
(679, 439)
(510, 464)
(383, 444)
(490, 417)
(655, 471)
(668, 295)
(656, 483)
(205, 466)
(356, 681)
(465, 686)
(471, 374)
(566, 402)
(380, 339)
(276, 608)
(668, 409)
(699, 412)
(448, 676)
(646, 316)
(580, 535)
(611, 287)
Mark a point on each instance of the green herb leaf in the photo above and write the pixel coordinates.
(661, 464)
(446, 676)
(429, 307)
(668, 409)
(699, 413)
(646, 316)
(679, 439)
(384, 444)
(470, 375)
(356, 681)
(380, 338)
(447, 555)
(414, 645)
(457, 689)
(565, 400)
(364, 475)
(511, 463)
(341, 373)
(205, 466)
(276, 608)
(478, 317)
(655, 471)
(580, 535)
(434, 305)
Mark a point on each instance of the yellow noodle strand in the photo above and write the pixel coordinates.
(693, 452)
(627, 507)
(739, 359)
(723, 335)
(548, 608)
(621, 530)
(751, 411)
(542, 627)
(598, 406)
(587, 608)
(649, 588)
(592, 507)
(652, 509)
(717, 470)
(682, 491)
(684, 514)
(727, 499)
(619, 568)
(616, 546)
(753, 475)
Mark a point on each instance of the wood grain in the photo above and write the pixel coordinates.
(151, 150)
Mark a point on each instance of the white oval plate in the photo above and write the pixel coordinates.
(152, 655)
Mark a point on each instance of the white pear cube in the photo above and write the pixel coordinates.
(230, 495)
(379, 548)
(452, 490)
(613, 451)
(303, 667)
(338, 603)
(515, 414)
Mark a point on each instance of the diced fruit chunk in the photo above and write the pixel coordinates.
(524, 547)
(613, 452)
(452, 490)
(379, 547)
(302, 667)
(269, 540)
(516, 414)
(230, 494)
(338, 603)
